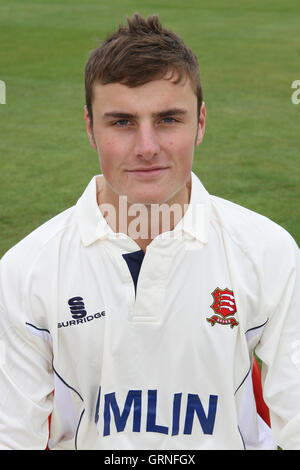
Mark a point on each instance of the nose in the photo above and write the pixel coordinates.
(146, 143)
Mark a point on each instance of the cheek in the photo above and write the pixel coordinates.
(180, 141)
(183, 151)
(109, 155)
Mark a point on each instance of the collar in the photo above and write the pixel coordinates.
(93, 226)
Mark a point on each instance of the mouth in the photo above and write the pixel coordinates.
(146, 173)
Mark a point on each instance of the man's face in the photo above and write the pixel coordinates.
(145, 138)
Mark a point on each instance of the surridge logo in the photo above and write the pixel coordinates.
(79, 313)
(77, 307)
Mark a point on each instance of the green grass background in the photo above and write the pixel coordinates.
(249, 55)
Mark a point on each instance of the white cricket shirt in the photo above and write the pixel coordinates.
(150, 351)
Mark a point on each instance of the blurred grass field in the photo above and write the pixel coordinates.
(249, 55)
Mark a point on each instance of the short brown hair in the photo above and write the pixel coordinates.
(138, 53)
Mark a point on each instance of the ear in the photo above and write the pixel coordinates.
(201, 124)
(89, 128)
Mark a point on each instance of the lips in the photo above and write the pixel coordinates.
(150, 168)
(148, 172)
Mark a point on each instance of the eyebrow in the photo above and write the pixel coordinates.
(167, 112)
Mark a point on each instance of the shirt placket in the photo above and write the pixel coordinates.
(151, 287)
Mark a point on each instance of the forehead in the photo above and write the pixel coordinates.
(154, 95)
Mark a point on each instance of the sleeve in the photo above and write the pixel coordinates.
(26, 378)
(279, 346)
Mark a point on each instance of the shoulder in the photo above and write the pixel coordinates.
(28, 264)
(21, 256)
(254, 233)
(263, 257)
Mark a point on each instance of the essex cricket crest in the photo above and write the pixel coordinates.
(224, 307)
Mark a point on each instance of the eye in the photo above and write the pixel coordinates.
(169, 120)
(121, 123)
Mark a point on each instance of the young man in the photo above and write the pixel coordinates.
(142, 305)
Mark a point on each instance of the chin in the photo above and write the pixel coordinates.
(146, 198)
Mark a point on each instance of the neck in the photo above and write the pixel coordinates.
(143, 222)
